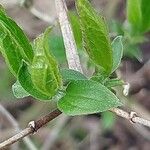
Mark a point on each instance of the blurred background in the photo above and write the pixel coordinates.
(103, 131)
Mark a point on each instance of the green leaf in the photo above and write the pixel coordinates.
(87, 97)
(95, 35)
(117, 47)
(134, 14)
(133, 52)
(13, 42)
(100, 76)
(145, 6)
(19, 91)
(71, 75)
(108, 120)
(24, 78)
(56, 45)
(44, 70)
(74, 20)
(113, 82)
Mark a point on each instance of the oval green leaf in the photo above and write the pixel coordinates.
(87, 97)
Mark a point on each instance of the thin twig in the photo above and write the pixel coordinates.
(15, 124)
(132, 116)
(31, 129)
(74, 63)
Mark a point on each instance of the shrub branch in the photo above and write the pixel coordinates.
(74, 63)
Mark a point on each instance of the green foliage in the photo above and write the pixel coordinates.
(108, 120)
(56, 46)
(145, 7)
(19, 48)
(117, 47)
(44, 69)
(133, 51)
(95, 35)
(134, 13)
(87, 97)
(41, 79)
(100, 77)
(19, 91)
(24, 78)
(37, 72)
(71, 75)
(138, 15)
(74, 20)
(109, 83)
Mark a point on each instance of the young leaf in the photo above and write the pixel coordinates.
(117, 47)
(134, 13)
(14, 44)
(24, 78)
(19, 91)
(44, 70)
(100, 76)
(11, 53)
(145, 6)
(95, 35)
(74, 20)
(87, 97)
(71, 75)
(113, 82)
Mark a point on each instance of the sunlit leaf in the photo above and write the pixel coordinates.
(44, 70)
(24, 77)
(95, 35)
(13, 42)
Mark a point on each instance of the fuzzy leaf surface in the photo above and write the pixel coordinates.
(87, 97)
(95, 35)
(44, 70)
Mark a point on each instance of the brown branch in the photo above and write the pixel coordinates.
(15, 124)
(31, 129)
